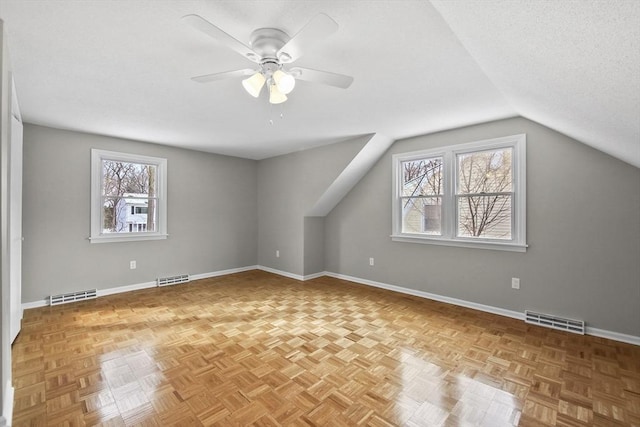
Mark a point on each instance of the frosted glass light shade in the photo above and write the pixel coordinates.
(275, 96)
(253, 85)
(285, 82)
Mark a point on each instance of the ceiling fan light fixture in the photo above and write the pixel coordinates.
(275, 96)
(285, 82)
(253, 85)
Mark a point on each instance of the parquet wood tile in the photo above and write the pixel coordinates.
(258, 349)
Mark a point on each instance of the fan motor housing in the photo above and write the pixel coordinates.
(266, 42)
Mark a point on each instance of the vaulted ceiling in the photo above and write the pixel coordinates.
(123, 69)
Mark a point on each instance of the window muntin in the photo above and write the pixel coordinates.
(128, 197)
(422, 188)
(463, 195)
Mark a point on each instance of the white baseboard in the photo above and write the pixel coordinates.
(126, 288)
(7, 405)
(602, 333)
(223, 272)
(314, 276)
(615, 336)
(291, 275)
(144, 285)
(435, 297)
(35, 304)
(281, 273)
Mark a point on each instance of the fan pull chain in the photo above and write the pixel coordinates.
(271, 113)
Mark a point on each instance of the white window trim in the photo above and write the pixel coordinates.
(448, 238)
(96, 197)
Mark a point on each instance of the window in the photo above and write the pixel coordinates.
(470, 195)
(128, 197)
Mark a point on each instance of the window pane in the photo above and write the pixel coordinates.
(485, 172)
(422, 177)
(129, 191)
(422, 215)
(117, 216)
(484, 216)
(119, 178)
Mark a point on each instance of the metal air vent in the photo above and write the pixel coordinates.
(72, 297)
(173, 280)
(555, 322)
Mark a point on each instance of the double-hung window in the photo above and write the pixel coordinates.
(128, 197)
(471, 195)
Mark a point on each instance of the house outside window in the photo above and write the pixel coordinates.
(128, 194)
(132, 211)
(471, 195)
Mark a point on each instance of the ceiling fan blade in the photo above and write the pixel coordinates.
(324, 77)
(320, 27)
(221, 76)
(201, 24)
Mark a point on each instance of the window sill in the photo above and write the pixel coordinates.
(496, 246)
(105, 238)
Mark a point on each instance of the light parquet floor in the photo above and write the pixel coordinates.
(258, 349)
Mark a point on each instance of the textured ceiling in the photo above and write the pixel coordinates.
(123, 68)
(573, 66)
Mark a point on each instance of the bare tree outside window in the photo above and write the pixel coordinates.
(128, 190)
(128, 197)
(422, 186)
(485, 194)
(467, 195)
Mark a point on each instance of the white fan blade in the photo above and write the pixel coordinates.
(316, 30)
(201, 24)
(324, 77)
(221, 76)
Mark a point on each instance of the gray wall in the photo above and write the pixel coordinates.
(583, 231)
(313, 245)
(212, 222)
(583, 224)
(288, 187)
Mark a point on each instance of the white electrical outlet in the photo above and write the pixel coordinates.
(277, 253)
(371, 261)
(132, 265)
(515, 283)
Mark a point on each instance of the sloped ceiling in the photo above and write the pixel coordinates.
(123, 69)
(573, 66)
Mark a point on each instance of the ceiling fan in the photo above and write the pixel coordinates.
(271, 49)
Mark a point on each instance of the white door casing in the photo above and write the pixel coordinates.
(15, 226)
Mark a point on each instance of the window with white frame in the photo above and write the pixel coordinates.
(128, 197)
(471, 195)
